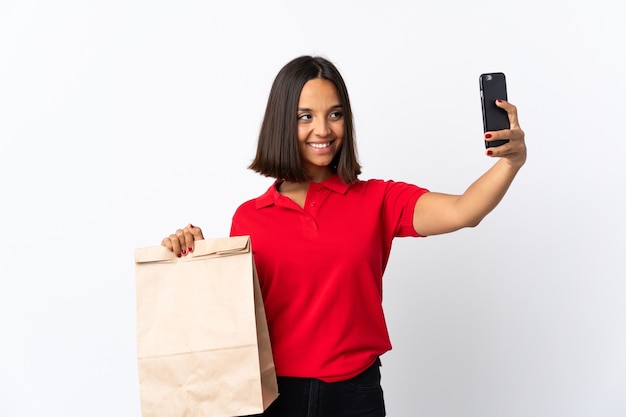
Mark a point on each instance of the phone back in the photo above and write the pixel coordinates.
(493, 87)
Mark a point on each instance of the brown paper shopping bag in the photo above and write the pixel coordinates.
(203, 347)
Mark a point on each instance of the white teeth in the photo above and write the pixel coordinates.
(320, 145)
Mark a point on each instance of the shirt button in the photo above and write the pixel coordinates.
(313, 204)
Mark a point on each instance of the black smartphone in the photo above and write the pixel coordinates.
(493, 87)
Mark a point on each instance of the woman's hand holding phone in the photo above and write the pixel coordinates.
(503, 136)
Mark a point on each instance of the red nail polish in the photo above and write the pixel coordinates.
(190, 226)
(190, 250)
(488, 135)
(489, 153)
(178, 255)
(184, 252)
(499, 101)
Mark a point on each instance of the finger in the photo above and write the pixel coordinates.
(172, 242)
(516, 134)
(501, 151)
(511, 110)
(515, 150)
(167, 243)
(498, 151)
(497, 135)
(196, 232)
(191, 235)
(180, 241)
(188, 242)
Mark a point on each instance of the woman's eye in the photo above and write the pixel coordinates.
(304, 117)
(336, 115)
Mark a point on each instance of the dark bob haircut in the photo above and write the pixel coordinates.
(277, 154)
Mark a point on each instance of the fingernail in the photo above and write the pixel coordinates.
(190, 250)
(184, 252)
(178, 255)
(191, 225)
(499, 101)
(488, 135)
(489, 153)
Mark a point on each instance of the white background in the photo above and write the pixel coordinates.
(121, 121)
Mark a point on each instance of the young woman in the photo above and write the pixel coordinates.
(321, 239)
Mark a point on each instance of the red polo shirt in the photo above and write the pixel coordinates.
(320, 269)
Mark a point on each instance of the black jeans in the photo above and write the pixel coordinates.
(361, 396)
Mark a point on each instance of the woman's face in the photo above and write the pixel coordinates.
(320, 127)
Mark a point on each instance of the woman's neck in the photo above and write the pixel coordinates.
(319, 175)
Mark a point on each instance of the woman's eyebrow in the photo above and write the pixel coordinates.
(336, 106)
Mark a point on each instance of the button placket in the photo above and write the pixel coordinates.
(312, 199)
(310, 211)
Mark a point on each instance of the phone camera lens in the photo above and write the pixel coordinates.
(489, 77)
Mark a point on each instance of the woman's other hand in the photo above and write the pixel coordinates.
(182, 241)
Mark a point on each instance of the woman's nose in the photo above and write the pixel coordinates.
(322, 127)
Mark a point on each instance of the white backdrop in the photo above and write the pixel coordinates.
(121, 121)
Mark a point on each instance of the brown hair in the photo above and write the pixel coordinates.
(277, 153)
